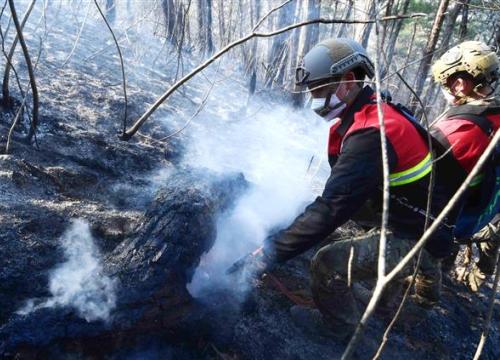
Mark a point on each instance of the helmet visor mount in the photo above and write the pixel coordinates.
(301, 75)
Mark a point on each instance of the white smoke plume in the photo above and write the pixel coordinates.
(273, 149)
(79, 281)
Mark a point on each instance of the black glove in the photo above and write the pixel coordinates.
(251, 267)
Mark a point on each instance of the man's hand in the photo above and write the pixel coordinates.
(251, 266)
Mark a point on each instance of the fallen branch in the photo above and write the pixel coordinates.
(132, 130)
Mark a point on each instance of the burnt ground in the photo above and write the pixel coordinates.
(80, 169)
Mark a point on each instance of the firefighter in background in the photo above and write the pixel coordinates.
(334, 71)
(468, 74)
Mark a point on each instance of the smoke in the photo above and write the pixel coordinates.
(78, 282)
(279, 151)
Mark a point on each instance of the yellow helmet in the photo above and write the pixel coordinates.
(474, 57)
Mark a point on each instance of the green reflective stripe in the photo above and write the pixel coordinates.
(476, 180)
(413, 174)
(493, 203)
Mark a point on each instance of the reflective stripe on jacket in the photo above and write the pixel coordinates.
(414, 161)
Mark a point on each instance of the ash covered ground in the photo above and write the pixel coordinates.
(113, 249)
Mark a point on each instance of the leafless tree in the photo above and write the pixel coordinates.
(429, 50)
(8, 64)
(27, 59)
(308, 37)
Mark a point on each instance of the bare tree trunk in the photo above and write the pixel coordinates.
(222, 23)
(394, 36)
(279, 54)
(205, 26)
(170, 17)
(295, 37)
(388, 11)
(201, 26)
(34, 90)
(333, 26)
(253, 54)
(429, 49)
(367, 28)
(309, 37)
(347, 15)
(6, 74)
(181, 31)
(445, 40)
(210, 41)
(463, 25)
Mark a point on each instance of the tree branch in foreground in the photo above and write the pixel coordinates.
(380, 284)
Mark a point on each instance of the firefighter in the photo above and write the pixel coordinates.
(468, 74)
(334, 71)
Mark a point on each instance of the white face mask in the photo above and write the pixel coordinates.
(328, 110)
(448, 96)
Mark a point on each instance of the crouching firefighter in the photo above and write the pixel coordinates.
(334, 71)
(469, 74)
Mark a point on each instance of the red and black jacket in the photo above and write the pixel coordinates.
(356, 177)
(467, 130)
(463, 134)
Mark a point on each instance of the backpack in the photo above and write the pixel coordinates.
(483, 201)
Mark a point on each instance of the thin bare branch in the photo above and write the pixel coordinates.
(75, 44)
(427, 218)
(269, 14)
(8, 65)
(34, 90)
(380, 285)
(124, 79)
(20, 110)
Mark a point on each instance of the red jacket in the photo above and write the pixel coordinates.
(409, 146)
(467, 140)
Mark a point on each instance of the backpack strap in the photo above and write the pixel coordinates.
(475, 114)
(480, 120)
